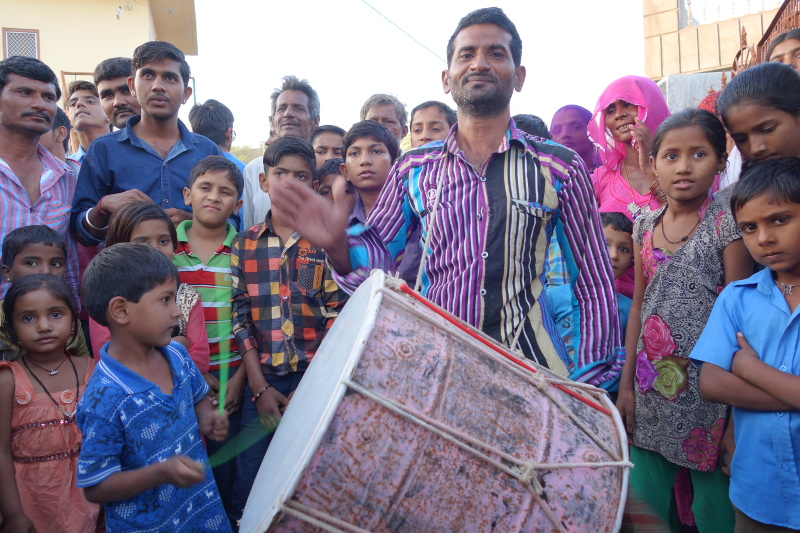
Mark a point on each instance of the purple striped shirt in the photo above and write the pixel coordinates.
(489, 244)
(57, 187)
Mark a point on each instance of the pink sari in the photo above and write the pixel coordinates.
(612, 190)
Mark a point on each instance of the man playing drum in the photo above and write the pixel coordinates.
(488, 200)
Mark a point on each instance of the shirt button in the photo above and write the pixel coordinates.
(166, 200)
(479, 216)
(483, 292)
(780, 413)
(485, 255)
(787, 468)
(483, 178)
(783, 368)
(285, 297)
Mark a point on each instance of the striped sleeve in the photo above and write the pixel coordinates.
(600, 353)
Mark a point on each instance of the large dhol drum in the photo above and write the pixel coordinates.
(406, 423)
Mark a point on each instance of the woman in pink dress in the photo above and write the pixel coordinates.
(625, 114)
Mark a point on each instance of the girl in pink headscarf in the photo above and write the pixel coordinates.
(625, 114)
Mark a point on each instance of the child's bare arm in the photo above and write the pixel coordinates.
(212, 424)
(10, 505)
(625, 401)
(178, 470)
(719, 385)
(737, 262)
(747, 365)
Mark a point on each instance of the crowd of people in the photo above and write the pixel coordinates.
(147, 271)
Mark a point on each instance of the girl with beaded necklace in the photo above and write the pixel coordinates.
(685, 252)
(39, 391)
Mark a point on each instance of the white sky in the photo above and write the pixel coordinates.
(572, 50)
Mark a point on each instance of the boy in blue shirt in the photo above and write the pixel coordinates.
(749, 351)
(142, 455)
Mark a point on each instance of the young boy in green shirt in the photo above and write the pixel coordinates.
(203, 259)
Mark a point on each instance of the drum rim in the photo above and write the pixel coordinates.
(261, 519)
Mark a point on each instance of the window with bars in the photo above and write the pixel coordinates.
(21, 43)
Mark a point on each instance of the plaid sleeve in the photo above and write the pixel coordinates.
(241, 317)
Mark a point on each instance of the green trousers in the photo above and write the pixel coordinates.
(653, 478)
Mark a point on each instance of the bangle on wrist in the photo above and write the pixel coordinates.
(100, 207)
(89, 222)
(262, 391)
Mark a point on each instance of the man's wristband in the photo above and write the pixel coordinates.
(89, 222)
(262, 391)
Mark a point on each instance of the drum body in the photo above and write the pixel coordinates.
(403, 423)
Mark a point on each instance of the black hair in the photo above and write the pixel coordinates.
(126, 269)
(533, 125)
(61, 119)
(293, 83)
(449, 114)
(112, 68)
(290, 146)
(769, 84)
(329, 168)
(788, 36)
(30, 68)
(81, 85)
(326, 128)
(56, 286)
(711, 126)
(373, 130)
(211, 119)
(778, 179)
(218, 163)
(488, 15)
(386, 99)
(617, 221)
(125, 219)
(152, 51)
(16, 240)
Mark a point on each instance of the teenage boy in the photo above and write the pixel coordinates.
(327, 174)
(284, 301)
(749, 349)
(214, 120)
(86, 114)
(389, 111)
(327, 143)
(56, 141)
(431, 121)
(369, 152)
(150, 160)
(35, 250)
(141, 452)
(203, 259)
(111, 79)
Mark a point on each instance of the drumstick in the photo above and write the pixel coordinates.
(224, 371)
(427, 303)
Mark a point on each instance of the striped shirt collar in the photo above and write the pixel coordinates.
(186, 224)
(512, 136)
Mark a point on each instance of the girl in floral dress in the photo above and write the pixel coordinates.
(688, 250)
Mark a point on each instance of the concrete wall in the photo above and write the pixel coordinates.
(75, 36)
(708, 47)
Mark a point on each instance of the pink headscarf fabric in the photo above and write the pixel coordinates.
(633, 89)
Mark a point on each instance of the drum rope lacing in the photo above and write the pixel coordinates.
(524, 471)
